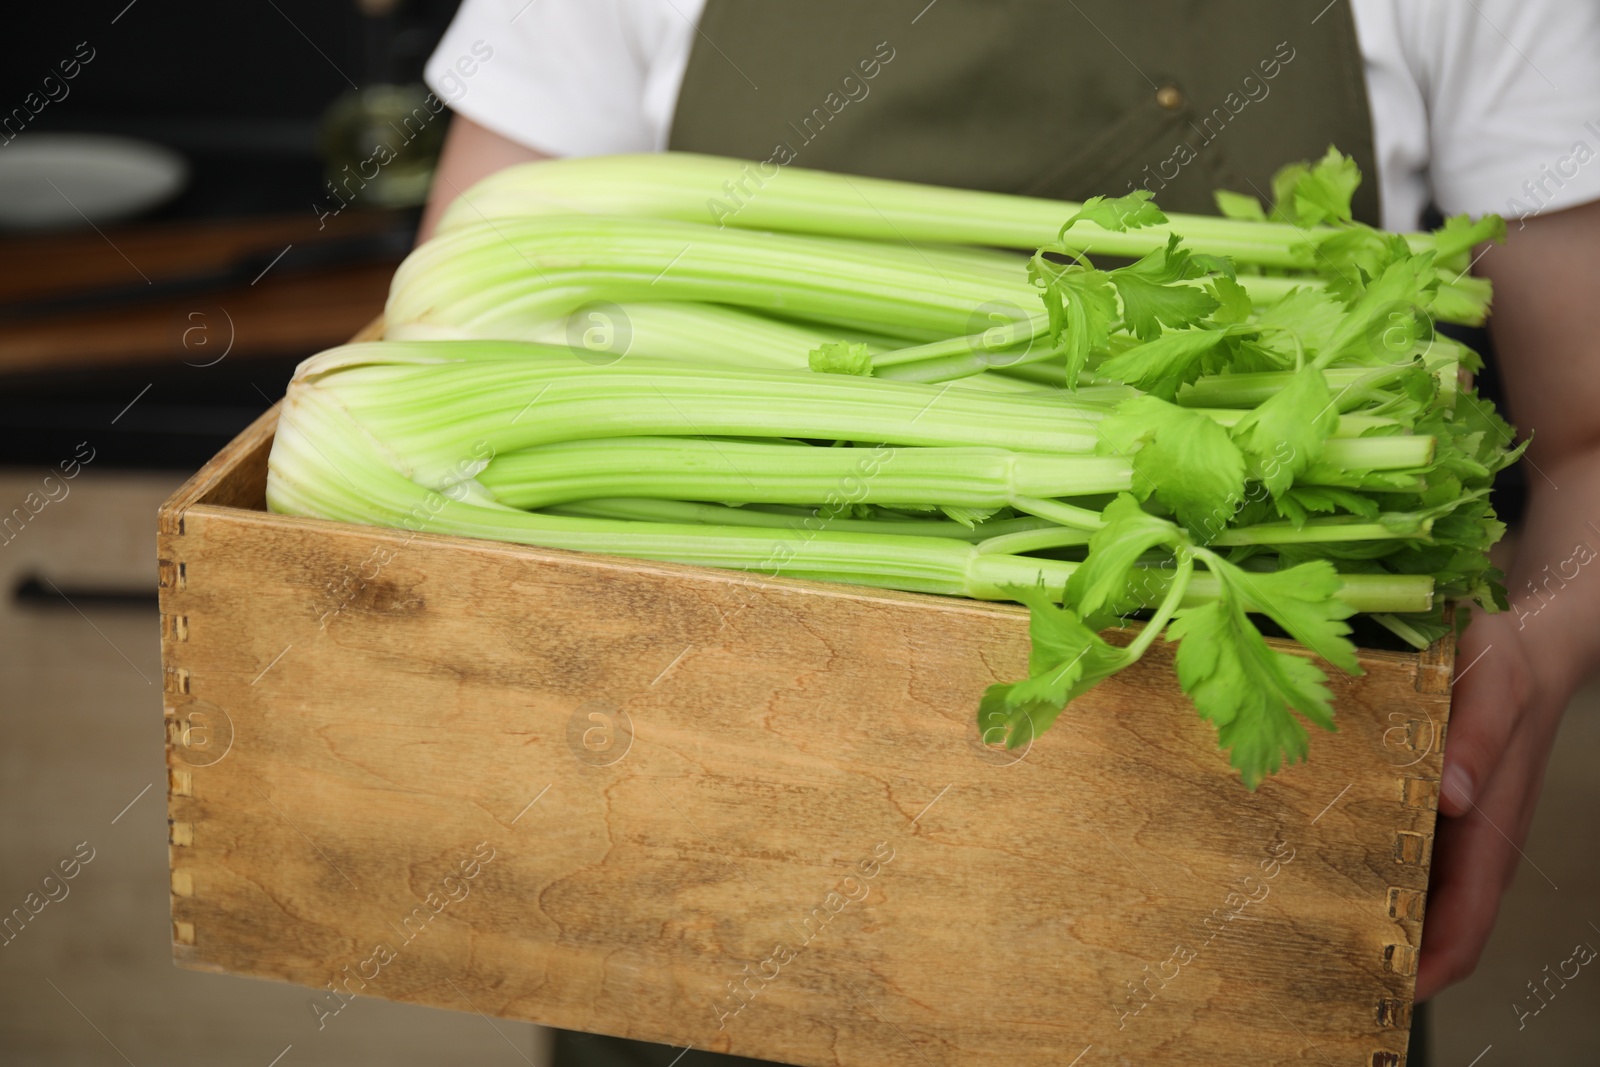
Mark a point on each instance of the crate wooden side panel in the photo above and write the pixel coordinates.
(751, 815)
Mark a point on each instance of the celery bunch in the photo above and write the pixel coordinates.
(1240, 418)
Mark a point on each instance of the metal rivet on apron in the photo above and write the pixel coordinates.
(1169, 97)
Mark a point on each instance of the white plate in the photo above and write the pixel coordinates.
(58, 180)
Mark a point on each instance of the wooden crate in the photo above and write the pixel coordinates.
(752, 815)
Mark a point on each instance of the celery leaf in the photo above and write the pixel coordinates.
(1285, 435)
(1082, 306)
(1067, 659)
(1324, 192)
(1148, 305)
(1248, 689)
(1239, 206)
(1119, 213)
(1296, 504)
(1460, 233)
(968, 517)
(1382, 324)
(1102, 582)
(1182, 457)
(1233, 302)
(1310, 315)
(1150, 300)
(1163, 365)
(1284, 182)
(1304, 600)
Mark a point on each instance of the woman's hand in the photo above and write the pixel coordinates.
(1517, 670)
(1502, 726)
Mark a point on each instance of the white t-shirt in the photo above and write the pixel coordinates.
(1477, 105)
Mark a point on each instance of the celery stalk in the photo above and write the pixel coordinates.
(722, 193)
(772, 517)
(726, 192)
(702, 469)
(325, 463)
(444, 410)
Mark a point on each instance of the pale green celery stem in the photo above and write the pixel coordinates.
(1167, 608)
(1447, 358)
(1056, 511)
(680, 187)
(993, 576)
(993, 382)
(1402, 629)
(1315, 531)
(1363, 592)
(1047, 374)
(533, 278)
(694, 333)
(696, 469)
(324, 465)
(716, 191)
(519, 277)
(1319, 532)
(440, 422)
(1349, 425)
(1014, 340)
(1464, 299)
(963, 366)
(703, 334)
(1403, 452)
(714, 335)
(435, 418)
(1024, 541)
(1253, 388)
(1243, 390)
(684, 512)
(1013, 334)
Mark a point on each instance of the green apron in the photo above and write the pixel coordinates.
(1063, 100)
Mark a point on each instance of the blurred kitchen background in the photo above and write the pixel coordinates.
(176, 233)
(168, 212)
(170, 248)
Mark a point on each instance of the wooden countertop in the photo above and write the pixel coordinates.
(290, 313)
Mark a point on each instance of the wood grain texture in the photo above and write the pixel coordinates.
(283, 313)
(689, 781)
